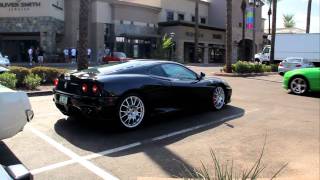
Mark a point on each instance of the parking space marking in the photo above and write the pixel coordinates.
(87, 164)
(132, 145)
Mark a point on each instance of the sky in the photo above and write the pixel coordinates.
(299, 9)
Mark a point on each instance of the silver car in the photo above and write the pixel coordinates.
(4, 61)
(293, 63)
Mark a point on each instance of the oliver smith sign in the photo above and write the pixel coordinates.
(19, 6)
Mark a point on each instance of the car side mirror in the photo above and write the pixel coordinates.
(202, 75)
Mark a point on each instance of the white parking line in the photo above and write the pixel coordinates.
(87, 164)
(132, 145)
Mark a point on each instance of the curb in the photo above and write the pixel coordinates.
(245, 74)
(39, 93)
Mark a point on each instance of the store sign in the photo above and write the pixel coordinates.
(249, 18)
(19, 5)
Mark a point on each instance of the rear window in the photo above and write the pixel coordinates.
(119, 55)
(293, 60)
(107, 69)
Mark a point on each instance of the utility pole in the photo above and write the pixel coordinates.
(196, 32)
(254, 30)
(274, 26)
(308, 16)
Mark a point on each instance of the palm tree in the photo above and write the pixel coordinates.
(269, 2)
(274, 27)
(288, 21)
(196, 32)
(243, 43)
(229, 37)
(83, 34)
(308, 16)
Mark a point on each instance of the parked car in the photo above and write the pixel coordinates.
(117, 57)
(3, 69)
(15, 172)
(4, 61)
(292, 63)
(301, 81)
(131, 91)
(15, 112)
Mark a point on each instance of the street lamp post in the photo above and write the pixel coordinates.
(172, 36)
(255, 4)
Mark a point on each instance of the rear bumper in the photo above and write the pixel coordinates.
(84, 105)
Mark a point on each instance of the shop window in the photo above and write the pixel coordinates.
(120, 39)
(203, 20)
(217, 36)
(170, 16)
(193, 19)
(181, 17)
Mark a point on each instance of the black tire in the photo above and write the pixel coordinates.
(299, 85)
(131, 108)
(218, 98)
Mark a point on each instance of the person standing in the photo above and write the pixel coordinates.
(35, 54)
(30, 54)
(74, 55)
(40, 56)
(89, 54)
(66, 55)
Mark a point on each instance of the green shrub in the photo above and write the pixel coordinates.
(274, 67)
(47, 74)
(243, 67)
(8, 79)
(233, 67)
(258, 68)
(21, 73)
(250, 67)
(32, 81)
(267, 68)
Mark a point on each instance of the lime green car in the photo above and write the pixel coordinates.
(301, 81)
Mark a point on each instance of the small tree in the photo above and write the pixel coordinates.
(167, 43)
(288, 21)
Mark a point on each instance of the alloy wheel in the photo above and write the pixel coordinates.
(298, 86)
(131, 111)
(218, 98)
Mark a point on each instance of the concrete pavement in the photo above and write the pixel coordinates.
(55, 147)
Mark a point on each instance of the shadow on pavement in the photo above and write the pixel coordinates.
(7, 158)
(97, 136)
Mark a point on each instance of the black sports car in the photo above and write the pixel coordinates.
(131, 90)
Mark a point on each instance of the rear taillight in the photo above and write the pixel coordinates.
(298, 65)
(84, 88)
(95, 89)
(281, 64)
(56, 82)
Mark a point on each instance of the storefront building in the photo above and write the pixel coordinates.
(134, 27)
(30, 23)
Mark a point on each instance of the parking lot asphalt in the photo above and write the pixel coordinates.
(54, 146)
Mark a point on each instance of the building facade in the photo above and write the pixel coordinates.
(30, 23)
(135, 27)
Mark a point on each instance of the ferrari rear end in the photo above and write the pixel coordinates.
(82, 95)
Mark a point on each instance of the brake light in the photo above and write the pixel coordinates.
(84, 88)
(298, 65)
(281, 64)
(56, 82)
(95, 89)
